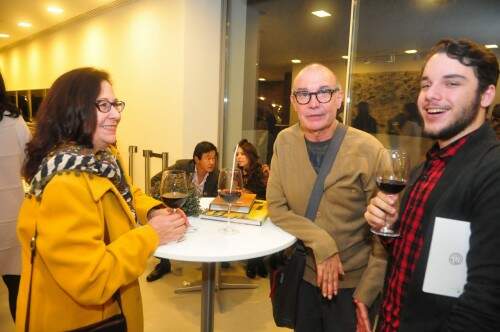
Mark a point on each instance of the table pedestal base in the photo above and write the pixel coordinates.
(194, 286)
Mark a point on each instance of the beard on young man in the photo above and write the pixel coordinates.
(469, 113)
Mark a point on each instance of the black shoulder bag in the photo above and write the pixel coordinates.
(286, 278)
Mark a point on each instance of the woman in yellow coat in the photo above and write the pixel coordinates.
(84, 214)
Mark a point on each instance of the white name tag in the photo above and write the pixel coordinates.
(446, 272)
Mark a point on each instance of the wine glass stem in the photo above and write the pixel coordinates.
(229, 215)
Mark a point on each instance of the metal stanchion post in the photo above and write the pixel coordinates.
(131, 150)
(164, 160)
(147, 166)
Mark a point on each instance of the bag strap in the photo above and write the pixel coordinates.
(318, 188)
(32, 260)
(116, 295)
(326, 165)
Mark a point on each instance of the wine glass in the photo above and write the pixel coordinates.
(174, 191)
(230, 187)
(391, 176)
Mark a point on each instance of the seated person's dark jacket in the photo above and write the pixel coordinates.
(187, 165)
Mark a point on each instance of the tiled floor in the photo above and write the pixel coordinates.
(242, 310)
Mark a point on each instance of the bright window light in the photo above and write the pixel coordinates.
(321, 13)
(411, 51)
(262, 79)
(296, 61)
(55, 10)
(4, 35)
(24, 24)
(491, 46)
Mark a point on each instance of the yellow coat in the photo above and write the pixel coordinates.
(75, 272)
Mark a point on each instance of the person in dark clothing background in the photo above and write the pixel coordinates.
(203, 166)
(364, 121)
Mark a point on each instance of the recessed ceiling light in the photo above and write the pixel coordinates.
(24, 24)
(491, 46)
(411, 51)
(321, 13)
(296, 61)
(345, 57)
(262, 79)
(262, 98)
(4, 35)
(55, 10)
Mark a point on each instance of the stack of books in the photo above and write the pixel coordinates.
(247, 210)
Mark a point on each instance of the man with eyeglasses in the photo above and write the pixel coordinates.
(345, 263)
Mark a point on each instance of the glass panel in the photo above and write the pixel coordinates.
(23, 101)
(12, 97)
(265, 35)
(385, 79)
(36, 99)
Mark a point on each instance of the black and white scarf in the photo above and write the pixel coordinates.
(74, 158)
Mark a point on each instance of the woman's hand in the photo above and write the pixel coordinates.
(382, 209)
(169, 226)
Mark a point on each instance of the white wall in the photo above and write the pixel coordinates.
(163, 57)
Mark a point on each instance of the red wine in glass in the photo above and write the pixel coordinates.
(174, 200)
(390, 186)
(230, 196)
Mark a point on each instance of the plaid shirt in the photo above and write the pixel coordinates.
(406, 248)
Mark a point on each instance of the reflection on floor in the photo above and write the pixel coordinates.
(164, 311)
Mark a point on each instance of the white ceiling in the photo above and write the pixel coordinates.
(35, 12)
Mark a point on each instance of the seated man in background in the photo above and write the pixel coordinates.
(204, 178)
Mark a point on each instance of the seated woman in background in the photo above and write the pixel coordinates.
(254, 181)
(82, 212)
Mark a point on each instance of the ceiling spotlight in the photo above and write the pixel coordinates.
(345, 57)
(55, 10)
(262, 98)
(24, 24)
(491, 46)
(262, 79)
(4, 35)
(296, 61)
(411, 51)
(321, 13)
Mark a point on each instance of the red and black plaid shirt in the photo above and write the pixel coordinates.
(406, 248)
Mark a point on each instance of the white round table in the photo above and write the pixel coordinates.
(209, 245)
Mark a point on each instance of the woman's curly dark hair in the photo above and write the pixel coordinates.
(67, 114)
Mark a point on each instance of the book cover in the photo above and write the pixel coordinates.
(256, 216)
(243, 204)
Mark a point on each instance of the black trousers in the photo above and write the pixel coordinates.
(318, 314)
(12, 283)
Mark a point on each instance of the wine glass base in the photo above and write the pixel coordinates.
(385, 231)
(227, 230)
